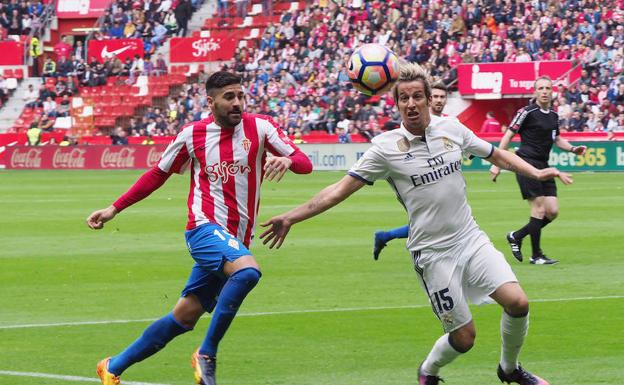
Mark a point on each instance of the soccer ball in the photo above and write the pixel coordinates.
(373, 69)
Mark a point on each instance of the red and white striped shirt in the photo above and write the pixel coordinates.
(227, 169)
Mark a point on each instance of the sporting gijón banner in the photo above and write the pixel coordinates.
(121, 48)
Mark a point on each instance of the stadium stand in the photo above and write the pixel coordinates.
(291, 54)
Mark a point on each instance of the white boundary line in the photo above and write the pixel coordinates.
(66, 378)
(286, 312)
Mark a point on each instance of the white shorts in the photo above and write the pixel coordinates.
(468, 271)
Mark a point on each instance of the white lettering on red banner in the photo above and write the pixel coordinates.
(30, 158)
(486, 80)
(72, 159)
(203, 46)
(512, 78)
(80, 9)
(153, 156)
(78, 6)
(118, 158)
(200, 49)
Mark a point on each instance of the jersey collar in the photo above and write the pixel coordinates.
(410, 137)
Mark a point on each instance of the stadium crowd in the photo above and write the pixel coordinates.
(19, 17)
(296, 73)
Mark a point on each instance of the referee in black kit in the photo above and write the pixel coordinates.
(538, 126)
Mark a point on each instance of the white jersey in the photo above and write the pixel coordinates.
(426, 175)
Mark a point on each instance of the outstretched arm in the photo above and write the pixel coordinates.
(330, 196)
(512, 162)
(567, 146)
(276, 166)
(149, 182)
(503, 145)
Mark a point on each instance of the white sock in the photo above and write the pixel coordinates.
(441, 354)
(513, 331)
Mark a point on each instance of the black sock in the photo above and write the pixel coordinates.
(535, 242)
(545, 222)
(533, 225)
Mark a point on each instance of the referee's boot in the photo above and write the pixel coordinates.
(541, 259)
(424, 379)
(106, 377)
(516, 246)
(520, 376)
(205, 368)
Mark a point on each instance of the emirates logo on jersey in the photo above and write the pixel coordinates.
(246, 145)
(225, 170)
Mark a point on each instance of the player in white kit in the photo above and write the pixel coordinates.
(455, 260)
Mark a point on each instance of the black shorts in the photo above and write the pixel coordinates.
(532, 188)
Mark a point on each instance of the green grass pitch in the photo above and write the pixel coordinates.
(324, 312)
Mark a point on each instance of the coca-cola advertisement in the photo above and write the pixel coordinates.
(83, 157)
(121, 48)
(201, 49)
(511, 78)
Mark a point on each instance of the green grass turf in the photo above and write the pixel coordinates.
(53, 269)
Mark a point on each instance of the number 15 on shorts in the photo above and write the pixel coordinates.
(442, 301)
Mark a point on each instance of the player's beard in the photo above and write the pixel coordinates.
(230, 118)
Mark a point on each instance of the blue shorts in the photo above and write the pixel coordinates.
(210, 246)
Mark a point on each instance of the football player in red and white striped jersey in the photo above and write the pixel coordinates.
(230, 153)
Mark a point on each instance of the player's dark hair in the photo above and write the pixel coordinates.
(440, 86)
(219, 80)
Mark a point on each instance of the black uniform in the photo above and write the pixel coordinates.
(538, 130)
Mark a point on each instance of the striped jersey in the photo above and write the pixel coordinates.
(425, 173)
(226, 169)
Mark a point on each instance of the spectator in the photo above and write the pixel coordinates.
(45, 123)
(49, 68)
(241, 7)
(119, 137)
(343, 135)
(30, 97)
(35, 51)
(49, 107)
(160, 32)
(4, 91)
(183, 12)
(491, 124)
(62, 49)
(79, 50)
(64, 67)
(161, 65)
(34, 134)
(64, 106)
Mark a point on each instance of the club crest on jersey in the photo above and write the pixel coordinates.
(225, 170)
(447, 319)
(246, 145)
(448, 145)
(403, 144)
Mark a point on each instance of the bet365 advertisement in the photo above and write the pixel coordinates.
(600, 156)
